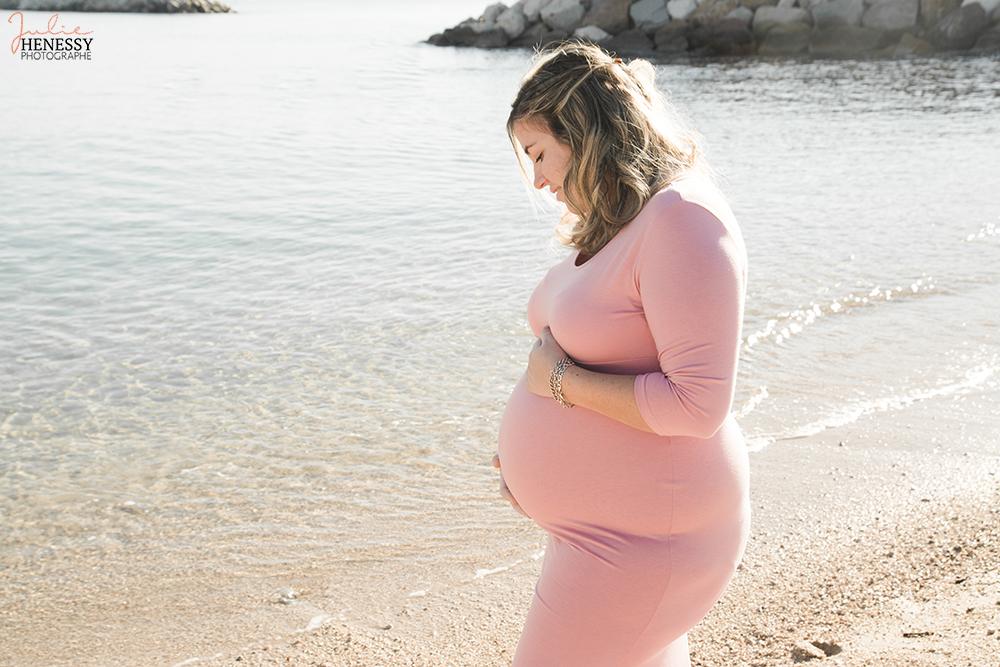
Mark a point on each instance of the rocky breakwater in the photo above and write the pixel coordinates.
(140, 6)
(820, 28)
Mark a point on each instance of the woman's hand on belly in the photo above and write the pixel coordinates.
(504, 491)
(542, 359)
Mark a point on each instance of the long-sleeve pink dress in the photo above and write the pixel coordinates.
(645, 530)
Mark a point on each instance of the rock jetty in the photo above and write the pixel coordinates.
(140, 6)
(818, 28)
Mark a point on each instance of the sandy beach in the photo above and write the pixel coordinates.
(875, 543)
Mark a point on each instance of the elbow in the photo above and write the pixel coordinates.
(708, 425)
(669, 409)
(708, 419)
(703, 426)
(684, 419)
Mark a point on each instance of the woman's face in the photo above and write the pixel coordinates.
(549, 156)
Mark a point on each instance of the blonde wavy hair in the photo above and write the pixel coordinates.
(627, 141)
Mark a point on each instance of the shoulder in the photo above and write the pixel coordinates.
(690, 217)
(692, 197)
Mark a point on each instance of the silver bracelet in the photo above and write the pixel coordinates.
(555, 380)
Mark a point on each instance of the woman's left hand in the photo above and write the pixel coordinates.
(544, 355)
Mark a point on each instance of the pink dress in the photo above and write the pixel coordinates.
(645, 530)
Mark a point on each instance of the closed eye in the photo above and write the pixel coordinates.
(539, 157)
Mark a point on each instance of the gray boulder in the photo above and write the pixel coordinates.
(960, 29)
(608, 15)
(834, 12)
(910, 45)
(989, 41)
(476, 25)
(491, 13)
(631, 42)
(991, 7)
(681, 9)
(649, 15)
(741, 13)
(513, 22)
(465, 35)
(714, 10)
(891, 15)
(672, 38)
(843, 40)
(591, 33)
(768, 17)
(537, 36)
(562, 14)
(531, 9)
(729, 37)
(932, 11)
(784, 40)
(494, 38)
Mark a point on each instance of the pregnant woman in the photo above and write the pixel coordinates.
(618, 438)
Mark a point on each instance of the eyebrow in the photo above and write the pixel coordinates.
(526, 149)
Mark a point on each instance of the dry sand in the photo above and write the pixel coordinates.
(877, 543)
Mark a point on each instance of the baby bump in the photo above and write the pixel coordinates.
(576, 466)
(568, 466)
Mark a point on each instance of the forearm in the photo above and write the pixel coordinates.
(610, 394)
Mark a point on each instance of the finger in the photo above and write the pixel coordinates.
(505, 492)
(516, 505)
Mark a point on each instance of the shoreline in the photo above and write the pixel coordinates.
(858, 533)
(742, 28)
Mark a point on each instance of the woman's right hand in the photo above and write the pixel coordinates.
(504, 491)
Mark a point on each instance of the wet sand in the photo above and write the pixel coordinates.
(875, 543)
